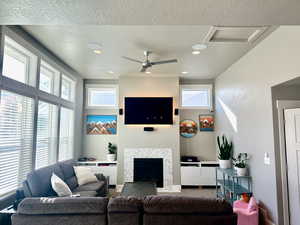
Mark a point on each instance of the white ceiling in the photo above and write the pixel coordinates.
(154, 12)
(167, 42)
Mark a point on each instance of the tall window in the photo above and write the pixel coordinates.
(196, 96)
(66, 135)
(46, 146)
(67, 88)
(16, 136)
(49, 79)
(18, 63)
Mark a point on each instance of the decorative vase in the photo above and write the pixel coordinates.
(111, 157)
(241, 171)
(225, 164)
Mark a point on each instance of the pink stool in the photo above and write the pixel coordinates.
(247, 212)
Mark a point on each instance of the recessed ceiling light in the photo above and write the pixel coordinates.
(148, 72)
(95, 47)
(196, 52)
(97, 51)
(111, 72)
(184, 72)
(199, 46)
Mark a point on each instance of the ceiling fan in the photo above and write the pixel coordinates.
(147, 63)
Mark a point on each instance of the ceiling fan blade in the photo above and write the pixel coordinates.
(164, 61)
(133, 60)
(143, 69)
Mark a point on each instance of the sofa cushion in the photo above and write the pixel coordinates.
(62, 205)
(86, 193)
(69, 173)
(84, 175)
(125, 204)
(96, 186)
(182, 204)
(39, 181)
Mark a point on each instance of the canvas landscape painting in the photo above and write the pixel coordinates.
(207, 122)
(101, 124)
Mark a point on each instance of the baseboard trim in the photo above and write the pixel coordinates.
(173, 188)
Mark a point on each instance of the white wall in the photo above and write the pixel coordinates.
(245, 92)
(164, 136)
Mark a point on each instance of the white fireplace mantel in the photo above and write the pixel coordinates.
(165, 153)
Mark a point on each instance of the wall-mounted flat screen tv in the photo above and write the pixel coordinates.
(148, 110)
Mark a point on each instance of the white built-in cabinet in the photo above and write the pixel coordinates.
(105, 167)
(198, 173)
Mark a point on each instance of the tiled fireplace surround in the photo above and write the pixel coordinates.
(164, 153)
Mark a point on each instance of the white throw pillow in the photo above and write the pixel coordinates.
(59, 186)
(84, 175)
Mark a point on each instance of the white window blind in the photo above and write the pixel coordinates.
(66, 135)
(16, 136)
(46, 135)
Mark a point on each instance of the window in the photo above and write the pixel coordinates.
(66, 134)
(16, 137)
(18, 63)
(49, 79)
(46, 144)
(102, 96)
(67, 88)
(196, 96)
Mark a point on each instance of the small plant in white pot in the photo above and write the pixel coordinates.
(112, 151)
(225, 152)
(240, 164)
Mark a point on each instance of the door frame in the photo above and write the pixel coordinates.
(283, 105)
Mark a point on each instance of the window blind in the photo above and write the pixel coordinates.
(66, 135)
(46, 135)
(16, 136)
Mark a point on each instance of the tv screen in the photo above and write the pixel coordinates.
(148, 110)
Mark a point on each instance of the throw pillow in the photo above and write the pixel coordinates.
(84, 175)
(59, 186)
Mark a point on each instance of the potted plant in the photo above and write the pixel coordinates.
(225, 152)
(112, 151)
(240, 164)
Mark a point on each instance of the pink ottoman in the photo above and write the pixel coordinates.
(247, 212)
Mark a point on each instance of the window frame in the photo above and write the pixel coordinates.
(55, 82)
(197, 87)
(72, 87)
(99, 87)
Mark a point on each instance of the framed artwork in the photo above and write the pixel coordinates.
(207, 123)
(188, 128)
(101, 124)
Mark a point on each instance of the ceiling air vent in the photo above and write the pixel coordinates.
(234, 34)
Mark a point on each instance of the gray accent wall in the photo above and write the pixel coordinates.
(244, 107)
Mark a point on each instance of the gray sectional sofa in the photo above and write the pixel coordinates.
(38, 182)
(152, 210)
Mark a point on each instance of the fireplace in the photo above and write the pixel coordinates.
(149, 169)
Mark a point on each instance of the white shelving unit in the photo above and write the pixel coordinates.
(199, 173)
(105, 167)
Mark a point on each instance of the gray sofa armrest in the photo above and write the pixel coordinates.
(63, 205)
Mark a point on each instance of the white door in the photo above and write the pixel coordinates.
(292, 132)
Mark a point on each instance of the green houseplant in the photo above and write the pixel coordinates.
(240, 164)
(112, 151)
(225, 152)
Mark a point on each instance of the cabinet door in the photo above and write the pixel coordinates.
(208, 175)
(190, 175)
(110, 171)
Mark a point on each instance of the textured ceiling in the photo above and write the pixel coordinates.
(150, 12)
(167, 42)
